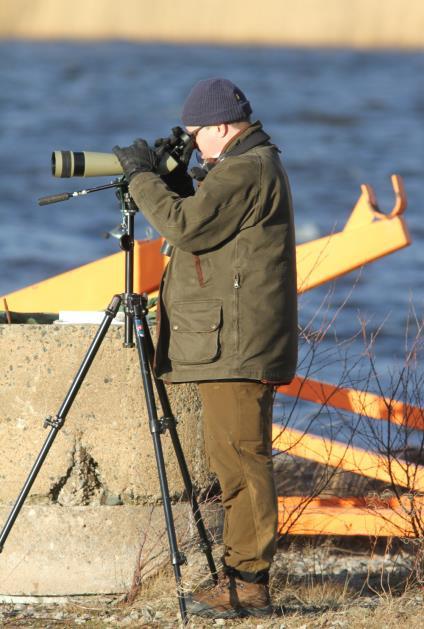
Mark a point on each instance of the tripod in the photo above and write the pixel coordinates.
(135, 308)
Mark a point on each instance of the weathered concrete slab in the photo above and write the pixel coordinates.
(104, 452)
(94, 512)
(53, 550)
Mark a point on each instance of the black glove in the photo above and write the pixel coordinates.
(178, 180)
(137, 158)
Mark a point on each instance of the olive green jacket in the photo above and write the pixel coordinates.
(228, 299)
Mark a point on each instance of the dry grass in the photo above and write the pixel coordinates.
(381, 595)
(306, 603)
(309, 586)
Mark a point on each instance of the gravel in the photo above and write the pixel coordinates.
(315, 586)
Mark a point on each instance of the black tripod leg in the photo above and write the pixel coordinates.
(57, 422)
(171, 424)
(156, 429)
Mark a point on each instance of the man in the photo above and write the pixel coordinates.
(228, 317)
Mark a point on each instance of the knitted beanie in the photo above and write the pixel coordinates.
(215, 101)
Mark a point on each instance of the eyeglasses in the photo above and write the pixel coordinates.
(195, 133)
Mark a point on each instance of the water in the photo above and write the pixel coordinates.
(341, 118)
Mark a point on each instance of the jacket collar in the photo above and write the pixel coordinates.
(239, 144)
(241, 137)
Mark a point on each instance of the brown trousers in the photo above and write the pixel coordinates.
(237, 421)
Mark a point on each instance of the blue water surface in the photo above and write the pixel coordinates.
(340, 117)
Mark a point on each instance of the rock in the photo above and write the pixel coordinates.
(148, 613)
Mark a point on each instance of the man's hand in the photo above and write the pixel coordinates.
(137, 158)
(177, 180)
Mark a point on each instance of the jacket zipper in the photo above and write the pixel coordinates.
(236, 286)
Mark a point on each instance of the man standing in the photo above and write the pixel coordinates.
(228, 317)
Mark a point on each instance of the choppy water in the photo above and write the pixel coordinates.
(341, 118)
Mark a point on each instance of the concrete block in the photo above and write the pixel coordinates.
(104, 452)
(94, 513)
(54, 551)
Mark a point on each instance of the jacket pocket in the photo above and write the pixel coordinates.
(195, 331)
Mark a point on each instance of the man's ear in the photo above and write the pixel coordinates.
(222, 130)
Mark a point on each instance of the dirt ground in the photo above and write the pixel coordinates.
(323, 583)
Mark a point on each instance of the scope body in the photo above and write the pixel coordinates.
(91, 164)
(84, 164)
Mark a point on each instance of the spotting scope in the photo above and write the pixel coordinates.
(89, 164)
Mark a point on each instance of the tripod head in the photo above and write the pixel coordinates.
(124, 232)
(126, 203)
(64, 196)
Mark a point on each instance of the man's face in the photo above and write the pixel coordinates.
(210, 140)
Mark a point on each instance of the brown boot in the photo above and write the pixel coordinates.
(231, 598)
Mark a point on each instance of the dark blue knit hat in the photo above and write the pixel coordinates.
(214, 101)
